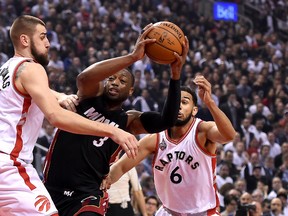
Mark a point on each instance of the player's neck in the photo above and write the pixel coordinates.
(22, 54)
(177, 132)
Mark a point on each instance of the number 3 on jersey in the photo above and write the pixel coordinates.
(100, 142)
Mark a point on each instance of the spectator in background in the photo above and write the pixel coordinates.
(275, 148)
(145, 103)
(253, 108)
(259, 134)
(240, 156)
(243, 89)
(282, 194)
(278, 161)
(276, 208)
(240, 185)
(234, 110)
(231, 203)
(276, 186)
(223, 176)
(245, 132)
(152, 205)
(232, 145)
(247, 170)
(282, 172)
(55, 63)
(228, 159)
(245, 198)
(253, 179)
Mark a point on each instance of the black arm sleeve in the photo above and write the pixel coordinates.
(154, 122)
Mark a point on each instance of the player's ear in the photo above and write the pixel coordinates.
(24, 39)
(131, 90)
(194, 110)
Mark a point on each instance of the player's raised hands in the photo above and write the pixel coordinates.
(204, 89)
(139, 49)
(176, 66)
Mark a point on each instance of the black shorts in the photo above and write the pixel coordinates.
(118, 209)
(75, 203)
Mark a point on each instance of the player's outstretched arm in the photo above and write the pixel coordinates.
(147, 146)
(222, 130)
(32, 80)
(88, 82)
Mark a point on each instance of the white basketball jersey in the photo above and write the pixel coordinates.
(185, 173)
(20, 117)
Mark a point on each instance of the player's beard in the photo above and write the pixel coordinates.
(183, 122)
(40, 58)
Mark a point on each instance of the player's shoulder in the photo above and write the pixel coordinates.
(205, 125)
(30, 66)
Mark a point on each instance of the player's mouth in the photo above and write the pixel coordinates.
(113, 91)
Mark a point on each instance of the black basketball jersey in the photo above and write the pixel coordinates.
(80, 162)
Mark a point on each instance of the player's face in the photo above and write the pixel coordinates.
(40, 45)
(187, 109)
(118, 87)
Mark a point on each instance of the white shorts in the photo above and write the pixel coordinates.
(22, 192)
(165, 212)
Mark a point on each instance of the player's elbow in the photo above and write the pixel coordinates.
(230, 136)
(80, 80)
(54, 119)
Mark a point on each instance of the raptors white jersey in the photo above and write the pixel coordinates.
(184, 173)
(20, 117)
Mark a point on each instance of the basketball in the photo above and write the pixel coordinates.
(169, 38)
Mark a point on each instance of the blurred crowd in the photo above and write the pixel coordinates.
(247, 67)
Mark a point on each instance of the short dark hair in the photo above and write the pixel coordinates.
(24, 24)
(229, 198)
(132, 76)
(190, 91)
(152, 197)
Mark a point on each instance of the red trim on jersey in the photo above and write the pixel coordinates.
(47, 161)
(183, 137)
(114, 155)
(14, 78)
(155, 151)
(213, 212)
(19, 145)
(214, 164)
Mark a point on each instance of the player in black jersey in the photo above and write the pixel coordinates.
(76, 164)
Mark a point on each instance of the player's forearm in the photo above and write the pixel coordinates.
(156, 122)
(115, 173)
(223, 123)
(56, 94)
(74, 123)
(101, 70)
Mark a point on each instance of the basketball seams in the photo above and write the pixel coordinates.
(163, 45)
(171, 33)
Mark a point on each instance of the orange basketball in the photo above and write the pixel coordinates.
(169, 38)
